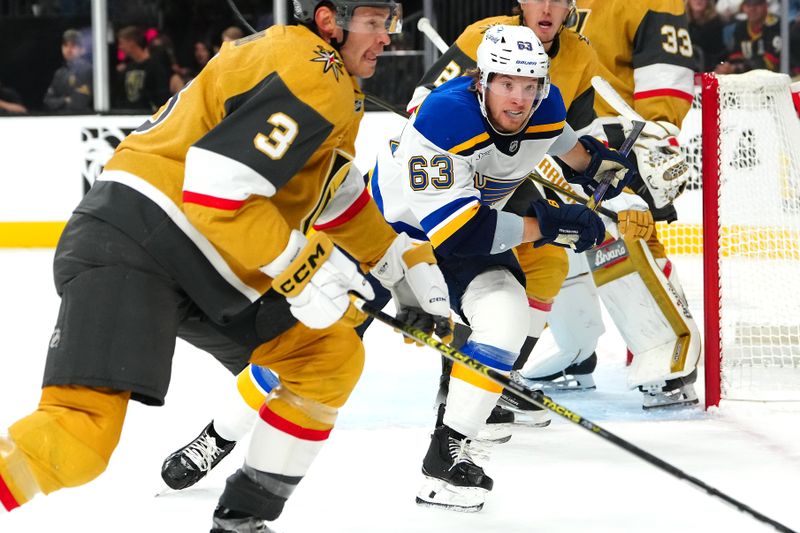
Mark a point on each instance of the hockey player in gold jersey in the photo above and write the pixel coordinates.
(197, 228)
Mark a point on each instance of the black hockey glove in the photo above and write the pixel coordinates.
(604, 159)
(430, 324)
(567, 225)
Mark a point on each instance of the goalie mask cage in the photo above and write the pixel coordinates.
(751, 237)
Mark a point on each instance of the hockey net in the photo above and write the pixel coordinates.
(742, 139)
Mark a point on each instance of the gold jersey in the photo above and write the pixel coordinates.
(572, 64)
(261, 142)
(646, 53)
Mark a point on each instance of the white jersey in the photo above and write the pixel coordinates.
(451, 173)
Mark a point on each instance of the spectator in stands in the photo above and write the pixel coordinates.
(71, 88)
(10, 102)
(232, 33)
(162, 50)
(144, 79)
(756, 41)
(794, 50)
(705, 29)
(202, 55)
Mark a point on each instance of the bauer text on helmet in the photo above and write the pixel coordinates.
(513, 68)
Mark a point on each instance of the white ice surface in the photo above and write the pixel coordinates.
(556, 479)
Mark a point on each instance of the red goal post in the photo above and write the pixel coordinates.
(745, 154)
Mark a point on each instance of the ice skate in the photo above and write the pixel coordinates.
(189, 464)
(497, 429)
(228, 521)
(525, 413)
(658, 398)
(452, 479)
(576, 377)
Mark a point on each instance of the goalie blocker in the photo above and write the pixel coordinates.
(661, 332)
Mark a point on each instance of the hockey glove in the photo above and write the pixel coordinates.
(661, 164)
(603, 159)
(567, 225)
(634, 224)
(315, 278)
(417, 285)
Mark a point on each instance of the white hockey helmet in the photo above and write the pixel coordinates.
(514, 51)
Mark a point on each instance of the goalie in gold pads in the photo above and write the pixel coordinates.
(197, 228)
(661, 333)
(646, 55)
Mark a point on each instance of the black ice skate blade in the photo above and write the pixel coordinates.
(447, 507)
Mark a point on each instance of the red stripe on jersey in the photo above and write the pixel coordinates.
(6, 498)
(348, 214)
(663, 92)
(211, 201)
(772, 58)
(540, 306)
(281, 424)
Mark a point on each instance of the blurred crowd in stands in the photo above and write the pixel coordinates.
(728, 36)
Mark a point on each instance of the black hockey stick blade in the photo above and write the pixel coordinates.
(605, 180)
(546, 402)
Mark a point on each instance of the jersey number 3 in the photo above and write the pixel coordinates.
(280, 138)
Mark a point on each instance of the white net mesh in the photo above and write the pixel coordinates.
(759, 245)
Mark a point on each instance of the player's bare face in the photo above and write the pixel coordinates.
(366, 40)
(545, 18)
(509, 100)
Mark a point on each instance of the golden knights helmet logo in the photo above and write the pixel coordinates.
(330, 61)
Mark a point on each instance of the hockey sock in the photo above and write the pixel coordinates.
(525, 352)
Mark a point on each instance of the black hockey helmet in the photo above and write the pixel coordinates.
(304, 11)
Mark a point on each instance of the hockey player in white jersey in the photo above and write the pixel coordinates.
(465, 150)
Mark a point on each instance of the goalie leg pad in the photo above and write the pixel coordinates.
(662, 334)
(575, 326)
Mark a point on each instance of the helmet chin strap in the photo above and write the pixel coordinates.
(485, 113)
(337, 44)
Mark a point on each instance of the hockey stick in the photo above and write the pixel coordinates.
(424, 25)
(605, 180)
(547, 403)
(613, 98)
(536, 177)
(383, 104)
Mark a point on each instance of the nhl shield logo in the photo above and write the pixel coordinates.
(513, 146)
